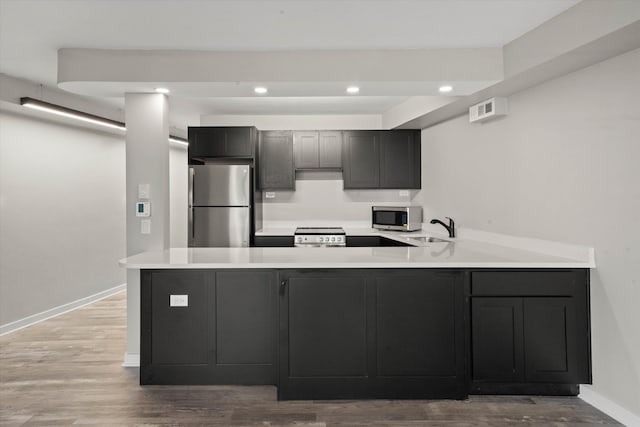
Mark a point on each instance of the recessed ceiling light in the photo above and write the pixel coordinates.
(162, 90)
(261, 90)
(353, 89)
(445, 88)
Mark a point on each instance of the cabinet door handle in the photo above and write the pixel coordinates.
(283, 285)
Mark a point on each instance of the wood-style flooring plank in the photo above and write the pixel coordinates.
(67, 371)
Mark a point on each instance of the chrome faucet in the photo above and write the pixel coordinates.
(450, 228)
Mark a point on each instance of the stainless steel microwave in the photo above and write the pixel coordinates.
(400, 218)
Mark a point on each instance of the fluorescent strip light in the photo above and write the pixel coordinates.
(70, 113)
(79, 115)
(178, 140)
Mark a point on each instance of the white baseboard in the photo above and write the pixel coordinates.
(57, 311)
(610, 408)
(131, 360)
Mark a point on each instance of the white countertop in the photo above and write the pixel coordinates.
(460, 254)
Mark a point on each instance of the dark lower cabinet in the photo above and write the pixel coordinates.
(368, 333)
(226, 333)
(371, 334)
(528, 337)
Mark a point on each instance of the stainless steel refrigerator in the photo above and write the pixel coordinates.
(219, 205)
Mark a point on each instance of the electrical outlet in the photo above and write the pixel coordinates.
(270, 195)
(145, 226)
(404, 193)
(178, 300)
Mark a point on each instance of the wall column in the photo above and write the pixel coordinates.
(147, 162)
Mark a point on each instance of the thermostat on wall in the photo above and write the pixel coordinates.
(143, 209)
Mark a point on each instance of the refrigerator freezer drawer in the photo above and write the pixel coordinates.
(220, 185)
(220, 227)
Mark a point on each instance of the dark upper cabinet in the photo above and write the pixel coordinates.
(317, 149)
(330, 149)
(529, 327)
(381, 159)
(206, 142)
(400, 159)
(275, 164)
(361, 159)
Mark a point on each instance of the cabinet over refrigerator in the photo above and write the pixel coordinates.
(219, 205)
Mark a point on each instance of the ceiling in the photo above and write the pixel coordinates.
(32, 31)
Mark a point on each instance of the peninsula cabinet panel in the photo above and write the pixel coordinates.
(179, 334)
(245, 314)
(530, 332)
(327, 327)
(497, 339)
(226, 333)
(550, 346)
(354, 334)
(416, 324)
(275, 165)
(400, 159)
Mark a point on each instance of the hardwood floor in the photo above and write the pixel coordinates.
(67, 370)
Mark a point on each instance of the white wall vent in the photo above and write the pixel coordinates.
(494, 107)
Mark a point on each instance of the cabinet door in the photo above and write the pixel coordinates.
(221, 141)
(497, 339)
(416, 325)
(178, 334)
(361, 159)
(327, 327)
(550, 336)
(330, 148)
(207, 142)
(400, 159)
(239, 141)
(276, 160)
(307, 149)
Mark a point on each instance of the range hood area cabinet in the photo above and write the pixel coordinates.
(317, 149)
(381, 159)
(222, 142)
(275, 160)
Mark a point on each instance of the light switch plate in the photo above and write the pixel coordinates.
(178, 300)
(145, 226)
(144, 191)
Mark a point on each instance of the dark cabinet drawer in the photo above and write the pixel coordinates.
(523, 283)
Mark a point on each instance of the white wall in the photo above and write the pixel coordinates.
(178, 195)
(564, 165)
(61, 214)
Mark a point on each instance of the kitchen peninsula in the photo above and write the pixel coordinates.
(437, 320)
